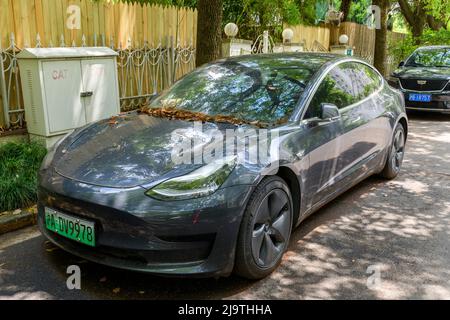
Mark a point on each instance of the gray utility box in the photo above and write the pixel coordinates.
(67, 88)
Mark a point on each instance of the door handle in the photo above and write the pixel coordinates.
(86, 94)
(318, 122)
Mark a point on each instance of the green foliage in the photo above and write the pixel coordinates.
(311, 12)
(19, 163)
(358, 11)
(400, 50)
(440, 9)
(255, 16)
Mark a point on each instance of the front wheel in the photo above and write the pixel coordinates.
(396, 154)
(265, 229)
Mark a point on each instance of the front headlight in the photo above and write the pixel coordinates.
(199, 183)
(51, 152)
(394, 82)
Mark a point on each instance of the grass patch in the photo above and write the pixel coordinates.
(19, 164)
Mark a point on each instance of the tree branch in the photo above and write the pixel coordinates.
(434, 23)
(407, 11)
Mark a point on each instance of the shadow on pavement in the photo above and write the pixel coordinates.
(399, 228)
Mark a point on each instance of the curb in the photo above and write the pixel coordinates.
(13, 222)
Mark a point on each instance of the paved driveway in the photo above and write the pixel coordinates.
(380, 240)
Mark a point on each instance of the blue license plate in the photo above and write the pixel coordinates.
(419, 97)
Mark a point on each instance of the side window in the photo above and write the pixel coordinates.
(336, 88)
(366, 81)
(344, 85)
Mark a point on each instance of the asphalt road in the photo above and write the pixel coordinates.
(380, 240)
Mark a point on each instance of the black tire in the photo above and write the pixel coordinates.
(269, 228)
(396, 154)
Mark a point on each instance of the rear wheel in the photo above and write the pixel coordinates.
(265, 229)
(396, 154)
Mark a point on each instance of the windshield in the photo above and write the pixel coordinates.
(430, 58)
(253, 89)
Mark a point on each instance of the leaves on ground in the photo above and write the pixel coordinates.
(116, 290)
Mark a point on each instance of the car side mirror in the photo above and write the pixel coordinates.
(401, 64)
(329, 111)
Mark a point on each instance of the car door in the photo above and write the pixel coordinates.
(321, 140)
(365, 128)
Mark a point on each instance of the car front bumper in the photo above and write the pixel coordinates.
(180, 238)
(440, 102)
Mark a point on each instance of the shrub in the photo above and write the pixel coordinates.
(19, 163)
(402, 49)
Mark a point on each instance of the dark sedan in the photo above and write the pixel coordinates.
(213, 176)
(424, 79)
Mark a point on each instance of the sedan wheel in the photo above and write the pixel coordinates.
(398, 150)
(396, 154)
(265, 230)
(271, 228)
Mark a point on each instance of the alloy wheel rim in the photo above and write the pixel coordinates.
(398, 150)
(271, 228)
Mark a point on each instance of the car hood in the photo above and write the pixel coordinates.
(423, 73)
(127, 151)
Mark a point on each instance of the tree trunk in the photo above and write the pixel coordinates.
(417, 28)
(209, 30)
(416, 19)
(345, 8)
(380, 56)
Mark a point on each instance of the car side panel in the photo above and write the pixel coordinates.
(324, 158)
(366, 134)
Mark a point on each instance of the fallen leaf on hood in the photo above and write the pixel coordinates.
(113, 121)
(172, 114)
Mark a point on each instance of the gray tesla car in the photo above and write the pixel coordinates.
(215, 173)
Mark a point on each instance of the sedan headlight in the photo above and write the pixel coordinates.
(199, 183)
(51, 152)
(394, 82)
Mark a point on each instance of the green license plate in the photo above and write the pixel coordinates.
(70, 227)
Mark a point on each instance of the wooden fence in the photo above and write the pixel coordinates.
(156, 44)
(52, 19)
(310, 36)
(149, 39)
(362, 39)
